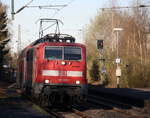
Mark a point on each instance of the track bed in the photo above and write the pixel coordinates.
(13, 105)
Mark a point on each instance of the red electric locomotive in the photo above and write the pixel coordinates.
(53, 69)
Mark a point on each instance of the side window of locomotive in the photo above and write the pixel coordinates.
(30, 55)
(53, 53)
(72, 53)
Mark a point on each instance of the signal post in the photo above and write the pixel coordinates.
(100, 47)
(118, 60)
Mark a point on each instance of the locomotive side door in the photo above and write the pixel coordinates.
(29, 71)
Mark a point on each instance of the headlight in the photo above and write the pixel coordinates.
(77, 82)
(63, 63)
(46, 81)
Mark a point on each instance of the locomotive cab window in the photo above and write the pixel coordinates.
(72, 53)
(63, 53)
(53, 53)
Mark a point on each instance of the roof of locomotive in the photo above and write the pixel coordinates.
(59, 44)
(56, 40)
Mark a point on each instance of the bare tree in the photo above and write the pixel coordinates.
(132, 46)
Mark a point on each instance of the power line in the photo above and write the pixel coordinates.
(62, 8)
(54, 7)
(127, 7)
(13, 11)
(24, 7)
(47, 6)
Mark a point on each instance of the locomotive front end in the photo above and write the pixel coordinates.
(63, 73)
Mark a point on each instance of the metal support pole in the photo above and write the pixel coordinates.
(19, 39)
(12, 9)
(118, 69)
(118, 81)
(103, 68)
(118, 78)
(117, 45)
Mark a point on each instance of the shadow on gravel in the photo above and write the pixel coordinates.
(17, 107)
(13, 105)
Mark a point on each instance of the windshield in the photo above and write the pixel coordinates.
(53, 53)
(63, 53)
(72, 53)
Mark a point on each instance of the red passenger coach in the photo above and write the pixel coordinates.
(53, 69)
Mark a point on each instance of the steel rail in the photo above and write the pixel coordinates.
(80, 113)
(116, 109)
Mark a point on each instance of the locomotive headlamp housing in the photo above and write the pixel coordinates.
(63, 63)
(46, 81)
(77, 82)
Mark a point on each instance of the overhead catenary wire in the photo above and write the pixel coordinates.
(63, 8)
(127, 7)
(57, 28)
(23, 7)
(52, 7)
(47, 6)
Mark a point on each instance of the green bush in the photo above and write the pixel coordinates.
(94, 71)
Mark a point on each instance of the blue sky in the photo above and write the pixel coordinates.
(76, 16)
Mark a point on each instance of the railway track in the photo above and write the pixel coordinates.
(80, 113)
(73, 112)
(111, 105)
(55, 114)
(118, 107)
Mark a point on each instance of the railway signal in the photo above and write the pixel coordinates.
(100, 47)
(100, 44)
